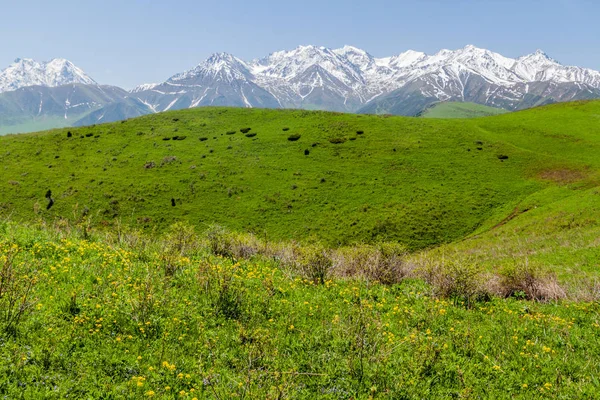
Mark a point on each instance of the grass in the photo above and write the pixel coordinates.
(416, 181)
(127, 316)
(391, 263)
(452, 109)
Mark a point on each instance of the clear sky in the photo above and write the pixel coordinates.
(128, 42)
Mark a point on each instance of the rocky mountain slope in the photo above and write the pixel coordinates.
(309, 77)
(350, 79)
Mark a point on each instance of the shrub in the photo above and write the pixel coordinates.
(89, 135)
(502, 157)
(337, 140)
(384, 262)
(219, 240)
(294, 137)
(360, 132)
(179, 241)
(166, 138)
(17, 282)
(315, 263)
(230, 133)
(459, 280)
(69, 134)
(306, 152)
(251, 134)
(203, 139)
(530, 281)
(286, 129)
(245, 130)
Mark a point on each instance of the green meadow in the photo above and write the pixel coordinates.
(221, 253)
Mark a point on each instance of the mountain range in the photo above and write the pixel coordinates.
(347, 79)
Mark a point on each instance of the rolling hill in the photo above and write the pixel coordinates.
(460, 110)
(338, 178)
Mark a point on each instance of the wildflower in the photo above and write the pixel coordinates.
(150, 393)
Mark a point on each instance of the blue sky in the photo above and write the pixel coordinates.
(128, 42)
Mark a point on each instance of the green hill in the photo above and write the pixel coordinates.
(417, 181)
(460, 110)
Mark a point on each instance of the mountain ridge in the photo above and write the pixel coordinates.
(346, 79)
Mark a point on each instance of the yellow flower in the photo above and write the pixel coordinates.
(547, 385)
(524, 386)
(150, 393)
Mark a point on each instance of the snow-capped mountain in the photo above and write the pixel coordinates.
(26, 72)
(57, 93)
(350, 79)
(347, 79)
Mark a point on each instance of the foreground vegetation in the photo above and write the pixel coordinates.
(125, 316)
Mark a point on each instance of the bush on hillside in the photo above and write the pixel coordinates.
(337, 140)
(315, 263)
(245, 130)
(528, 280)
(251, 134)
(294, 137)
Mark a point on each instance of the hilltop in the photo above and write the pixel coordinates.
(453, 109)
(301, 175)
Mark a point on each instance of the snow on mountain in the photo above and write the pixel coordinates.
(349, 78)
(27, 72)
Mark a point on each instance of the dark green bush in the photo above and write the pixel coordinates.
(251, 134)
(245, 130)
(293, 137)
(337, 140)
(230, 132)
(286, 129)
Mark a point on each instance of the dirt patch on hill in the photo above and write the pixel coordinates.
(563, 176)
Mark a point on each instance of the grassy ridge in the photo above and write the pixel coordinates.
(132, 318)
(420, 182)
(452, 109)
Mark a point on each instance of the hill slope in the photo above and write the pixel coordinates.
(453, 109)
(421, 182)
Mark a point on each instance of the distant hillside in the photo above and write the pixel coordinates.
(33, 108)
(460, 110)
(339, 178)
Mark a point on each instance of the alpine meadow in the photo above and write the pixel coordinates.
(227, 252)
(300, 200)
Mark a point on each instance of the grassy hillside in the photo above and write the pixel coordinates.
(34, 125)
(133, 318)
(460, 110)
(420, 182)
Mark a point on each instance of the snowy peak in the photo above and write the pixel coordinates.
(349, 79)
(27, 72)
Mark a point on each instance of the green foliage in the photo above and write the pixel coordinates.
(315, 263)
(337, 140)
(106, 324)
(294, 137)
